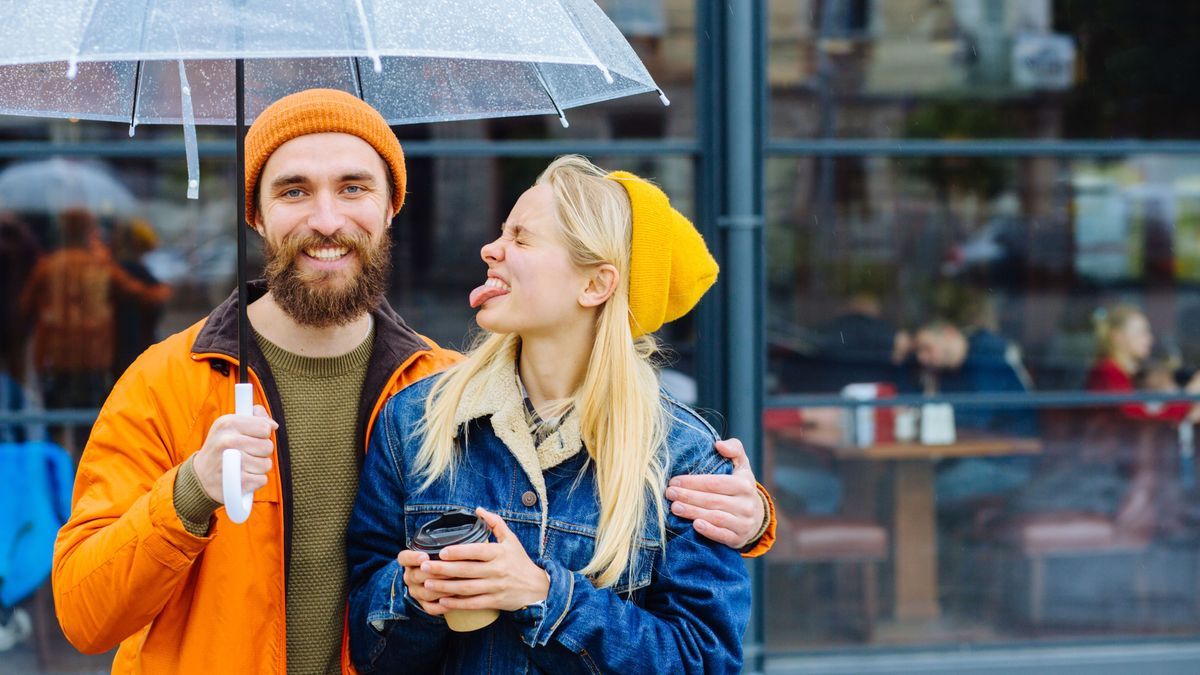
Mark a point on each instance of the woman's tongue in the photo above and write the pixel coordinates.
(484, 293)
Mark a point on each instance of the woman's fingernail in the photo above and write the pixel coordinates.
(672, 493)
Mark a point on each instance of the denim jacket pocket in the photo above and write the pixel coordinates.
(573, 545)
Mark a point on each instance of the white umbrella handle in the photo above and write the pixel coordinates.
(237, 503)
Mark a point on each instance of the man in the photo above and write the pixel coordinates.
(146, 559)
(857, 345)
(981, 362)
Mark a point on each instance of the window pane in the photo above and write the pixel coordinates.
(1086, 531)
(1034, 248)
(982, 69)
(995, 276)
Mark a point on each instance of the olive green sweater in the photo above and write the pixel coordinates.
(320, 402)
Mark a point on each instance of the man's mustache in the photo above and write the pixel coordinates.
(290, 247)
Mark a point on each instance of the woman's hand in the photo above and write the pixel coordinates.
(496, 575)
(415, 578)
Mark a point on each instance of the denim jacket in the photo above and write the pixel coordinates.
(683, 608)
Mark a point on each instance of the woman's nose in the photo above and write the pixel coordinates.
(492, 252)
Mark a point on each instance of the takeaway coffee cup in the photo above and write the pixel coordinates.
(449, 529)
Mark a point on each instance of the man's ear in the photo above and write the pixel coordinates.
(602, 283)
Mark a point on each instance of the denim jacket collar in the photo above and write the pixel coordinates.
(498, 396)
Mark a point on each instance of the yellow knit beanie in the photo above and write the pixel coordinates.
(670, 268)
(317, 111)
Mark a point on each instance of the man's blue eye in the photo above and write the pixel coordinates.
(354, 188)
(294, 192)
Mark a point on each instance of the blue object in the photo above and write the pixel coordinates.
(36, 480)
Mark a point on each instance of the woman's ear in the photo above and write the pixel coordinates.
(602, 283)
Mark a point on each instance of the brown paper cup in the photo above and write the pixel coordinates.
(467, 620)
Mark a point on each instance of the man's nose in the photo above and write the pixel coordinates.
(326, 217)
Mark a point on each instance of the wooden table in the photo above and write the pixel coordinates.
(914, 537)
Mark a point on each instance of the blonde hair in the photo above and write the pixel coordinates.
(1109, 321)
(621, 416)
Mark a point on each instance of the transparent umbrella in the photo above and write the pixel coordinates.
(52, 186)
(195, 62)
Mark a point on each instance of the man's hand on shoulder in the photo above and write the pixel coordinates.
(728, 509)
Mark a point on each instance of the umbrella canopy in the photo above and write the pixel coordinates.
(413, 60)
(223, 61)
(55, 185)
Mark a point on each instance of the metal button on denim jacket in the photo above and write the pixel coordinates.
(683, 608)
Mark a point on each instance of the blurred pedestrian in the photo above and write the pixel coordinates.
(69, 300)
(19, 252)
(135, 320)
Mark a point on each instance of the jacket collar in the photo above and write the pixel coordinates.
(497, 396)
(394, 340)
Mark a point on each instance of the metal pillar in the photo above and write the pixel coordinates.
(731, 90)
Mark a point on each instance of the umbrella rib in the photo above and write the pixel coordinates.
(357, 76)
(147, 12)
(72, 65)
(370, 41)
(583, 42)
(137, 86)
(537, 69)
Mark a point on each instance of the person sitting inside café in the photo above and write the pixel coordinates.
(1099, 478)
(1124, 342)
(952, 360)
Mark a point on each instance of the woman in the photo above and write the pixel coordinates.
(1115, 469)
(555, 430)
(1123, 341)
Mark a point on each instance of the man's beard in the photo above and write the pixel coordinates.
(318, 298)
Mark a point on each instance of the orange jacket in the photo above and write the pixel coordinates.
(125, 569)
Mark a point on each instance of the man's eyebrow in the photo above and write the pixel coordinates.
(358, 177)
(284, 181)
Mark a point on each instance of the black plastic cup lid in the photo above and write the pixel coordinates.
(449, 529)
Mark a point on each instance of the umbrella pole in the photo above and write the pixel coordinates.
(240, 177)
(237, 503)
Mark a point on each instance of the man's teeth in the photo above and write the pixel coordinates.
(326, 253)
(496, 283)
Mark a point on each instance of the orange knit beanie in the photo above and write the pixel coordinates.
(317, 111)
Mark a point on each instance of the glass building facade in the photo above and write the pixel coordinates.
(970, 231)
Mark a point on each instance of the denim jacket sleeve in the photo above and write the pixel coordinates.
(693, 617)
(378, 597)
